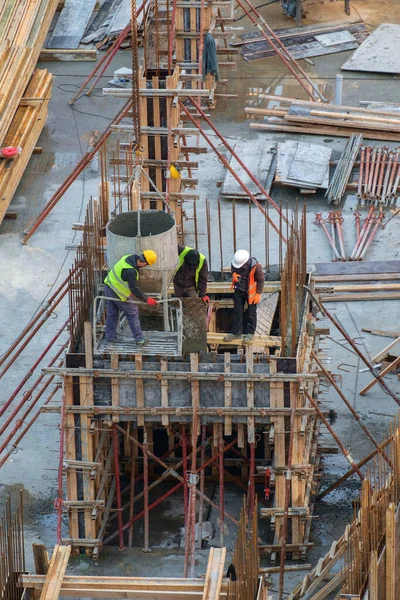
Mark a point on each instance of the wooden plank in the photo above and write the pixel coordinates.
(331, 130)
(41, 558)
(79, 54)
(227, 394)
(358, 267)
(57, 567)
(361, 297)
(71, 24)
(390, 526)
(251, 436)
(387, 369)
(164, 391)
(139, 389)
(214, 575)
(378, 357)
(114, 361)
(381, 332)
(265, 341)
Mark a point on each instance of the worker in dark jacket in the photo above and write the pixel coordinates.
(122, 284)
(248, 283)
(191, 275)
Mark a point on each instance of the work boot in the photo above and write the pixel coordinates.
(232, 336)
(142, 342)
(248, 338)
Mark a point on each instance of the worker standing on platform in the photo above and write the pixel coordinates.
(122, 284)
(248, 283)
(191, 275)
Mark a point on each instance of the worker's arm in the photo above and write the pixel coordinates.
(129, 275)
(203, 280)
(260, 278)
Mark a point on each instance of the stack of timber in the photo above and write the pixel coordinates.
(306, 117)
(306, 41)
(358, 281)
(24, 131)
(23, 29)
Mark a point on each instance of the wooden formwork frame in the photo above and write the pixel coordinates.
(90, 470)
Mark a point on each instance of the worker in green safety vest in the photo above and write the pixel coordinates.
(191, 275)
(121, 286)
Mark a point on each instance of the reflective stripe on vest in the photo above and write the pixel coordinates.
(199, 267)
(116, 283)
(252, 289)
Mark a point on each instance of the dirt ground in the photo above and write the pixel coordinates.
(372, 12)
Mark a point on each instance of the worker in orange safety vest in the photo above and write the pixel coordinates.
(248, 284)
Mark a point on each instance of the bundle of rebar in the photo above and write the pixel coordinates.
(340, 179)
(365, 235)
(379, 176)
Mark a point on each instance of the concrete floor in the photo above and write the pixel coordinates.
(34, 269)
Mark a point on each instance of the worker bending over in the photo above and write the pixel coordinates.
(248, 283)
(122, 284)
(191, 275)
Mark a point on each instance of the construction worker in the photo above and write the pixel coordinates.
(248, 283)
(191, 275)
(122, 284)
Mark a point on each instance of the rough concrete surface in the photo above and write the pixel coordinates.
(29, 272)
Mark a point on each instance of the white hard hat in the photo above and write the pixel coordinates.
(240, 257)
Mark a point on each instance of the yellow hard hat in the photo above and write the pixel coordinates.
(174, 172)
(150, 256)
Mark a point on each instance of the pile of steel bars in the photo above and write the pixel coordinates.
(364, 235)
(379, 176)
(340, 179)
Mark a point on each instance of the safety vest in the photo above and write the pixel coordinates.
(199, 267)
(116, 283)
(252, 289)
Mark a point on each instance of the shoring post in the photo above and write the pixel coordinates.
(221, 449)
(118, 487)
(146, 547)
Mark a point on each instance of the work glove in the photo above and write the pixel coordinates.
(151, 302)
(206, 299)
(257, 299)
(235, 279)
